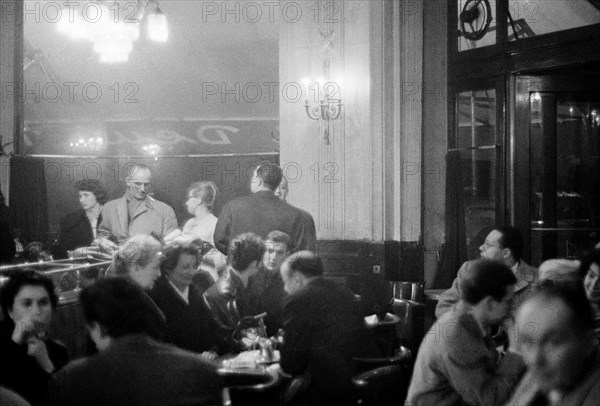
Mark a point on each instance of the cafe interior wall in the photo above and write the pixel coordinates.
(360, 168)
(377, 141)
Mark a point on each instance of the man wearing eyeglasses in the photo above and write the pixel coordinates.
(136, 212)
(503, 244)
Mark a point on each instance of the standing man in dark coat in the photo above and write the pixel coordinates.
(263, 212)
(131, 368)
(323, 331)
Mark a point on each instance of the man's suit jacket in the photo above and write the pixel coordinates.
(457, 365)
(526, 277)
(261, 213)
(585, 393)
(136, 371)
(189, 325)
(229, 301)
(75, 232)
(323, 332)
(150, 216)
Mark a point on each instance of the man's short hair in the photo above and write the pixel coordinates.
(133, 168)
(281, 237)
(119, 306)
(245, 249)
(94, 186)
(305, 262)
(511, 238)
(270, 174)
(486, 278)
(574, 297)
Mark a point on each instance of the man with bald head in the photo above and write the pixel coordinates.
(136, 212)
(556, 338)
(323, 331)
(262, 212)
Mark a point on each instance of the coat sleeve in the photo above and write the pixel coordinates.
(307, 236)
(473, 373)
(105, 227)
(222, 232)
(450, 297)
(295, 350)
(169, 221)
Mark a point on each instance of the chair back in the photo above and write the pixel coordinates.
(382, 386)
(254, 390)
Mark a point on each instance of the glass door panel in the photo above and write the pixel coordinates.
(564, 174)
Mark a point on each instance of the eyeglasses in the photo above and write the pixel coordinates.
(139, 184)
(488, 244)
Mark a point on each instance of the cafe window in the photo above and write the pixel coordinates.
(476, 156)
(529, 18)
(476, 24)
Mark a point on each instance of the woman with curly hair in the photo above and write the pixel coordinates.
(78, 229)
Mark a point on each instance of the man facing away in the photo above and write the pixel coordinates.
(503, 244)
(262, 212)
(457, 362)
(323, 331)
(131, 368)
(556, 338)
(136, 212)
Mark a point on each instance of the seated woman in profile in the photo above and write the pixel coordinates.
(190, 324)
(78, 229)
(201, 198)
(28, 357)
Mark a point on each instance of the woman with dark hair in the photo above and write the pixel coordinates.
(28, 356)
(78, 229)
(190, 324)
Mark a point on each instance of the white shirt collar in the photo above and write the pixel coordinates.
(185, 295)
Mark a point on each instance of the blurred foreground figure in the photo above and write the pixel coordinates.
(131, 368)
(555, 331)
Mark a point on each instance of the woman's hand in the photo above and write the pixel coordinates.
(23, 329)
(36, 348)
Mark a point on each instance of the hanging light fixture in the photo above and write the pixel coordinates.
(158, 29)
(115, 30)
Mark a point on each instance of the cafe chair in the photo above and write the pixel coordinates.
(403, 358)
(384, 328)
(382, 386)
(247, 389)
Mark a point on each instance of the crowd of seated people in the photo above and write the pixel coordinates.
(506, 332)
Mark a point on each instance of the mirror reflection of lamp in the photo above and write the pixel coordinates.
(112, 29)
(152, 150)
(158, 29)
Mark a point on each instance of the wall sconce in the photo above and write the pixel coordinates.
(152, 150)
(329, 106)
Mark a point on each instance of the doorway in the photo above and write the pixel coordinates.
(556, 160)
